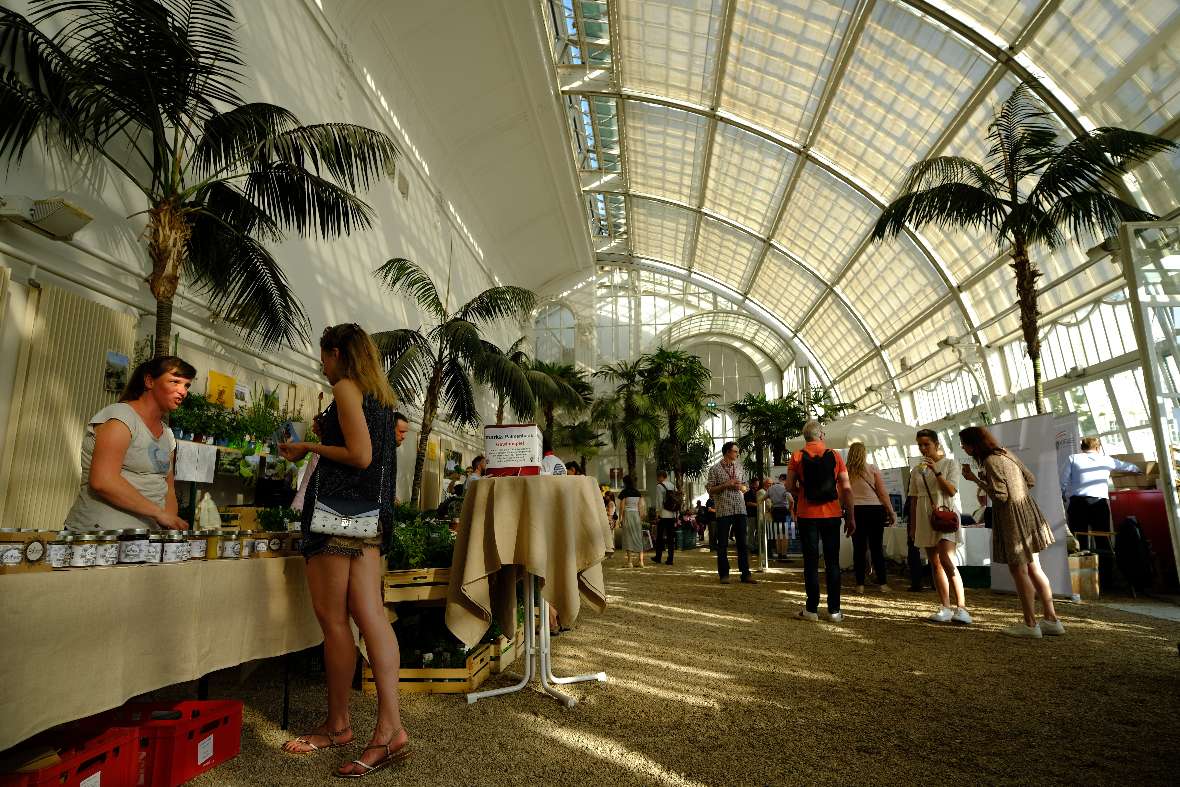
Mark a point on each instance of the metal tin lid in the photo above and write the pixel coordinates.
(63, 538)
(175, 536)
(156, 537)
(115, 533)
(9, 529)
(136, 532)
(231, 535)
(205, 533)
(86, 537)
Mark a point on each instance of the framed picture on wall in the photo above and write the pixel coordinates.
(115, 371)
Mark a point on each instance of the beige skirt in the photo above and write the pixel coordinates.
(1019, 531)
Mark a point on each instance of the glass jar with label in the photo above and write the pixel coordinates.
(133, 545)
(247, 545)
(230, 546)
(58, 550)
(199, 543)
(83, 550)
(175, 547)
(12, 549)
(107, 553)
(155, 549)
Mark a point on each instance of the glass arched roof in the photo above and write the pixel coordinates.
(735, 327)
(752, 144)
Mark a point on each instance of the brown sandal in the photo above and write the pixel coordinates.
(391, 756)
(331, 736)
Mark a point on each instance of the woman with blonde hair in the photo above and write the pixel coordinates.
(874, 512)
(1019, 529)
(357, 462)
(934, 485)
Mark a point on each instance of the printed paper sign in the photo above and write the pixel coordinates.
(221, 389)
(512, 449)
(205, 751)
(91, 781)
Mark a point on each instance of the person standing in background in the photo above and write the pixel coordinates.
(665, 519)
(727, 485)
(934, 483)
(874, 512)
(751, 499)
(1085, 488)
(630, 499)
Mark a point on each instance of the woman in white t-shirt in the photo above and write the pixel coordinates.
(874, 513)
(935, 483)
(127, 454)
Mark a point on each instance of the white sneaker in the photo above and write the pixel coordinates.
(1052, 628)
(943, 615)
(805, 615)
(962, 616)
(836, 617)
(1022, 631)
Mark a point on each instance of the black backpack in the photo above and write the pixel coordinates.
(1134, 555)
(819, 476)
(673, 500)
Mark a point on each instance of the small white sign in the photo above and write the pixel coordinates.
(91, 781)
(205, 750)
(512, 448)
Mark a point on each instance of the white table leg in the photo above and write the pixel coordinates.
(547, 656)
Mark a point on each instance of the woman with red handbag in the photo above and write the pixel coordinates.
(1019, 528)
(934, 525)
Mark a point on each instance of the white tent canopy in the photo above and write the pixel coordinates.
(872, 430)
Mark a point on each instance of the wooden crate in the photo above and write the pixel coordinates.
(416, 584)
(451, 680)
(506, 651)
(1083, 576)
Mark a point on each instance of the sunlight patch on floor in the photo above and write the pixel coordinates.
(617, 754)
(663, 664)
(693, 612)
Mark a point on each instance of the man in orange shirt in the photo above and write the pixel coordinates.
(818, 479)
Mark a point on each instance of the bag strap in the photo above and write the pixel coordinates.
(929, 491)
(384, 456)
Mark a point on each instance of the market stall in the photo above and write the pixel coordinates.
(82, 641)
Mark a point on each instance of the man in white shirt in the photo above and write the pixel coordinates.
(666, 524)
(1084, 485)
(551, 463)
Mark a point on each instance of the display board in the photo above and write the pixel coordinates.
(512, 449)
(1034, 440)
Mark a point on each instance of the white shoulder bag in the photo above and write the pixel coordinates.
(338, 516)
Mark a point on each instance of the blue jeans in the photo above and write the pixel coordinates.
(737, 524)
(811, 533)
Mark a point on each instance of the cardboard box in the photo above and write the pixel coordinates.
(1148, 478)
(1083, 576)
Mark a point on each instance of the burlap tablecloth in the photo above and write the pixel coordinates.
(550, 526)
(79, 642)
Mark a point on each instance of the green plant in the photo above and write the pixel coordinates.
(627, 413)
(677, 384)
(1027, 193)
(260, 419)
(562, 387)
(275, 520)
(152, 88)
(419, 541)
(442, 361)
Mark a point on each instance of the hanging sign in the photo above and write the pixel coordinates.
(512, 449)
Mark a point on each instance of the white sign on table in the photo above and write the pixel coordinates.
(512, 449)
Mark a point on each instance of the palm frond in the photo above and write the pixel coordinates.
(458, 395)
(248, 287)
(1022, 134)
(943, 170)
(410, 361)
(226, 204)
(459, 339)
(1096, 159)
(948, 205)
(498, 371)
(1028, 223)
(353, 155)
(497, 303)
(307, 203)
(230, 139)
(402, 275)
(1093, 215)
(34, 87)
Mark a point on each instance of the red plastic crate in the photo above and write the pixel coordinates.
(107, 759)
(173, 751)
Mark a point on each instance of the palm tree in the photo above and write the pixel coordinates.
(751, 415)
(567, 390)
(1073, 190)
(516, 373)
(152, 88)
(677, 383)
(627, 413)
(582, 438)
(445, 359)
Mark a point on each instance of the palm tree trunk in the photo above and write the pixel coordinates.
(429, 411)
(499, 410)
(1026, 294)
(549, 424)
(632, 457)
(676, 460)
(168, 234)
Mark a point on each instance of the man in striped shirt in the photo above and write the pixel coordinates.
(727, 486)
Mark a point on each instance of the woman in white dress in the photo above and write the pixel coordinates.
(631, 498)
(933, 483)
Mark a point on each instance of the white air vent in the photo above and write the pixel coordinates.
(53, 218)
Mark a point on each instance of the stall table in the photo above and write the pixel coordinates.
(83, 641)
(547, 529)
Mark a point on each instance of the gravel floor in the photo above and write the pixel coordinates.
(719, 685)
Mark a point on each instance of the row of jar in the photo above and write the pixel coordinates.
(130, 547)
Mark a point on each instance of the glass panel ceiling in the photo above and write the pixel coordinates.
(737, 325)
(747, 92)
